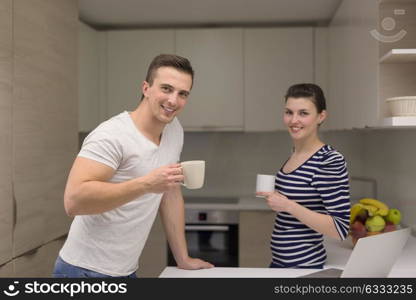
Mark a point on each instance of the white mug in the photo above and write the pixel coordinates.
(265, 183)
(194, 173)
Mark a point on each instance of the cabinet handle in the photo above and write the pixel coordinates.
(206, 228)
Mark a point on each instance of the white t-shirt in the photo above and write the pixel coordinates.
(111, 242)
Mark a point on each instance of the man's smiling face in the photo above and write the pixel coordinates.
(168, 93)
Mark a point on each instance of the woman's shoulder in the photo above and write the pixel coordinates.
(329, 151)
(329, 155)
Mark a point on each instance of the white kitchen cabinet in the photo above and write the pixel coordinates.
(216, 101)
(38, 122)
(274, 59)
(45, 118)
(129, 53)
(7, 270)
(241, 75)
(39, 262)
(255, 228)
(367, 68)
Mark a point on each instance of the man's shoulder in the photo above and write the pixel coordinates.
(175, 127)
(115, 123)
(175, 122)
(112, 129)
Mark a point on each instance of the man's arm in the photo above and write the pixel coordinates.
(172, 213)
(89, 192)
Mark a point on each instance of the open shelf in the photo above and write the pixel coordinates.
(400, 121)
(399, 56)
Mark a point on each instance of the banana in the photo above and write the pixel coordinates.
(355, 210)
(372, 210)
(381, 208)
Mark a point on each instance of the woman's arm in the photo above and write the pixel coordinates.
(319, 222)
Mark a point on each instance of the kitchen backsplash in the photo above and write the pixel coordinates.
(233, 159)
(381, 157)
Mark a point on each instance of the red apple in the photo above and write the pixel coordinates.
(389, 227)
(358, 229)
(362, 216)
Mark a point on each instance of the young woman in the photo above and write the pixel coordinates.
(311, 195)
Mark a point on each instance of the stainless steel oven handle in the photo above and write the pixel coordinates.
(206, 228)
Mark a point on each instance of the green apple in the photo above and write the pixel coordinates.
(394, 216)
(375, 223)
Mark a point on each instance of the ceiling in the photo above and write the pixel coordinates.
(108, 14)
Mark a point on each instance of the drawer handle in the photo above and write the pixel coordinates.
(206, 228)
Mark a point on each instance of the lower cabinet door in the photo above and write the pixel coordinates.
(254, 234)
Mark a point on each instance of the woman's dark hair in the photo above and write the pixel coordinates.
(308, 90)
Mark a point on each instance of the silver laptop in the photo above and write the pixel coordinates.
(373, 256)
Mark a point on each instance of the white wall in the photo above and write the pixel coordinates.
(321, 59)
(88, 72)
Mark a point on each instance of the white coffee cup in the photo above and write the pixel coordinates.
(265, 183)
(194, 173)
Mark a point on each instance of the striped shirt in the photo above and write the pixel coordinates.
(321, 185)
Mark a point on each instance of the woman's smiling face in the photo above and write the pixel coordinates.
(301, 117)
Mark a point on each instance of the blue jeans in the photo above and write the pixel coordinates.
(65, 270)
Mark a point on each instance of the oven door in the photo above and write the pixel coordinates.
(215, 243)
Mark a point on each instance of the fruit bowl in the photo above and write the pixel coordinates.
(371, 217)
(354, 238)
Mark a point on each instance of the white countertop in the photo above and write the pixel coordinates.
(338, 254)
(173, 272)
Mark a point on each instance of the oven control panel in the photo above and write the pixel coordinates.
(197, 216)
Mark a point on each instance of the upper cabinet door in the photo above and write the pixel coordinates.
(274, 59)
(128, 57)
(216, 101)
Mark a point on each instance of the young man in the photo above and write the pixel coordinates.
(126, 170)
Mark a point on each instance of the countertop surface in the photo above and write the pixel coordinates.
(338, 254)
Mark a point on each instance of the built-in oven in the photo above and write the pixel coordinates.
(211, 235)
